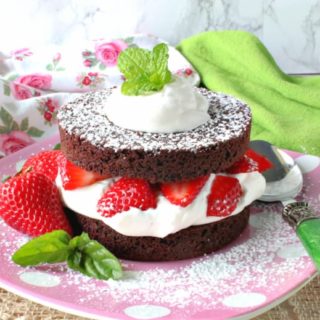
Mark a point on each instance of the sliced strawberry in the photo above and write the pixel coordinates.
(74, 177)
(125, 194)
(183, 193)
(30, 203)
(44, 162)
(224, 196)
(251, 161)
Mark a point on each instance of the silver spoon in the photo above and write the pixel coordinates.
(284, 182)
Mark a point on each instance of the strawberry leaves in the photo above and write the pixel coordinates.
(81, 253)
(145, 71)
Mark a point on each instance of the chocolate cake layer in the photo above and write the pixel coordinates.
(90, 140)
(188, 243)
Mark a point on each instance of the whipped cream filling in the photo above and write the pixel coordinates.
(177, 107)
(167, 218)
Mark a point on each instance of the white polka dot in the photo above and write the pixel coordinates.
(40, 279)
(308, 163)
(292, 251)
(146, 311)
(244, 300)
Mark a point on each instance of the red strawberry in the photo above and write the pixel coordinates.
(44, 162)
(251, 161)
(30, 203)
(183, 193)
(74, 177)
(125, 194)
(224, 196)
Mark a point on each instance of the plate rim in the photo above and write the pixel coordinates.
(67, 307)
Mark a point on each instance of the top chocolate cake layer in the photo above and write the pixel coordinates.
(92, 141)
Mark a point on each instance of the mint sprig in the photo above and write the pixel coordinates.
(145, 71)
(81, 254)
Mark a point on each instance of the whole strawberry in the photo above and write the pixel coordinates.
(44, 162)
(30, 203)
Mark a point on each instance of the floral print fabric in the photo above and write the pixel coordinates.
(34, 83)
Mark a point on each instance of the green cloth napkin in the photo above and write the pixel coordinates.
(286, 109)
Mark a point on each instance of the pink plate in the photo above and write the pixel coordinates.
(255, 273)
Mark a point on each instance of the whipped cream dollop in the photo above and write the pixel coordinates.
(177, 107)
(166, 218)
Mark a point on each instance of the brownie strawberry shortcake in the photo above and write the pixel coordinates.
(158, 169)
(154, 170)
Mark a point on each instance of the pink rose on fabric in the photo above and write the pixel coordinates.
(20, 92)
(36, 80)
(14, 141)
(108, 52)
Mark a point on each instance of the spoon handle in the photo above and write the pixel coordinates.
(307, 226)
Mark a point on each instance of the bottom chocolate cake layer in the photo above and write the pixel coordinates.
(188, 243)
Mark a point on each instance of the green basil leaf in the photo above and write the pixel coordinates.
(93, 259)
(51, 247)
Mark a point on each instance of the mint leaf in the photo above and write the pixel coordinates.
(145, 71)
(92, 259)
(133, 88)
(160, 59)
(49, 248)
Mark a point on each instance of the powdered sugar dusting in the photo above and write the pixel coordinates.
(86, 118)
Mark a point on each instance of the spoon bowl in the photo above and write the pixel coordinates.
(287, 187)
